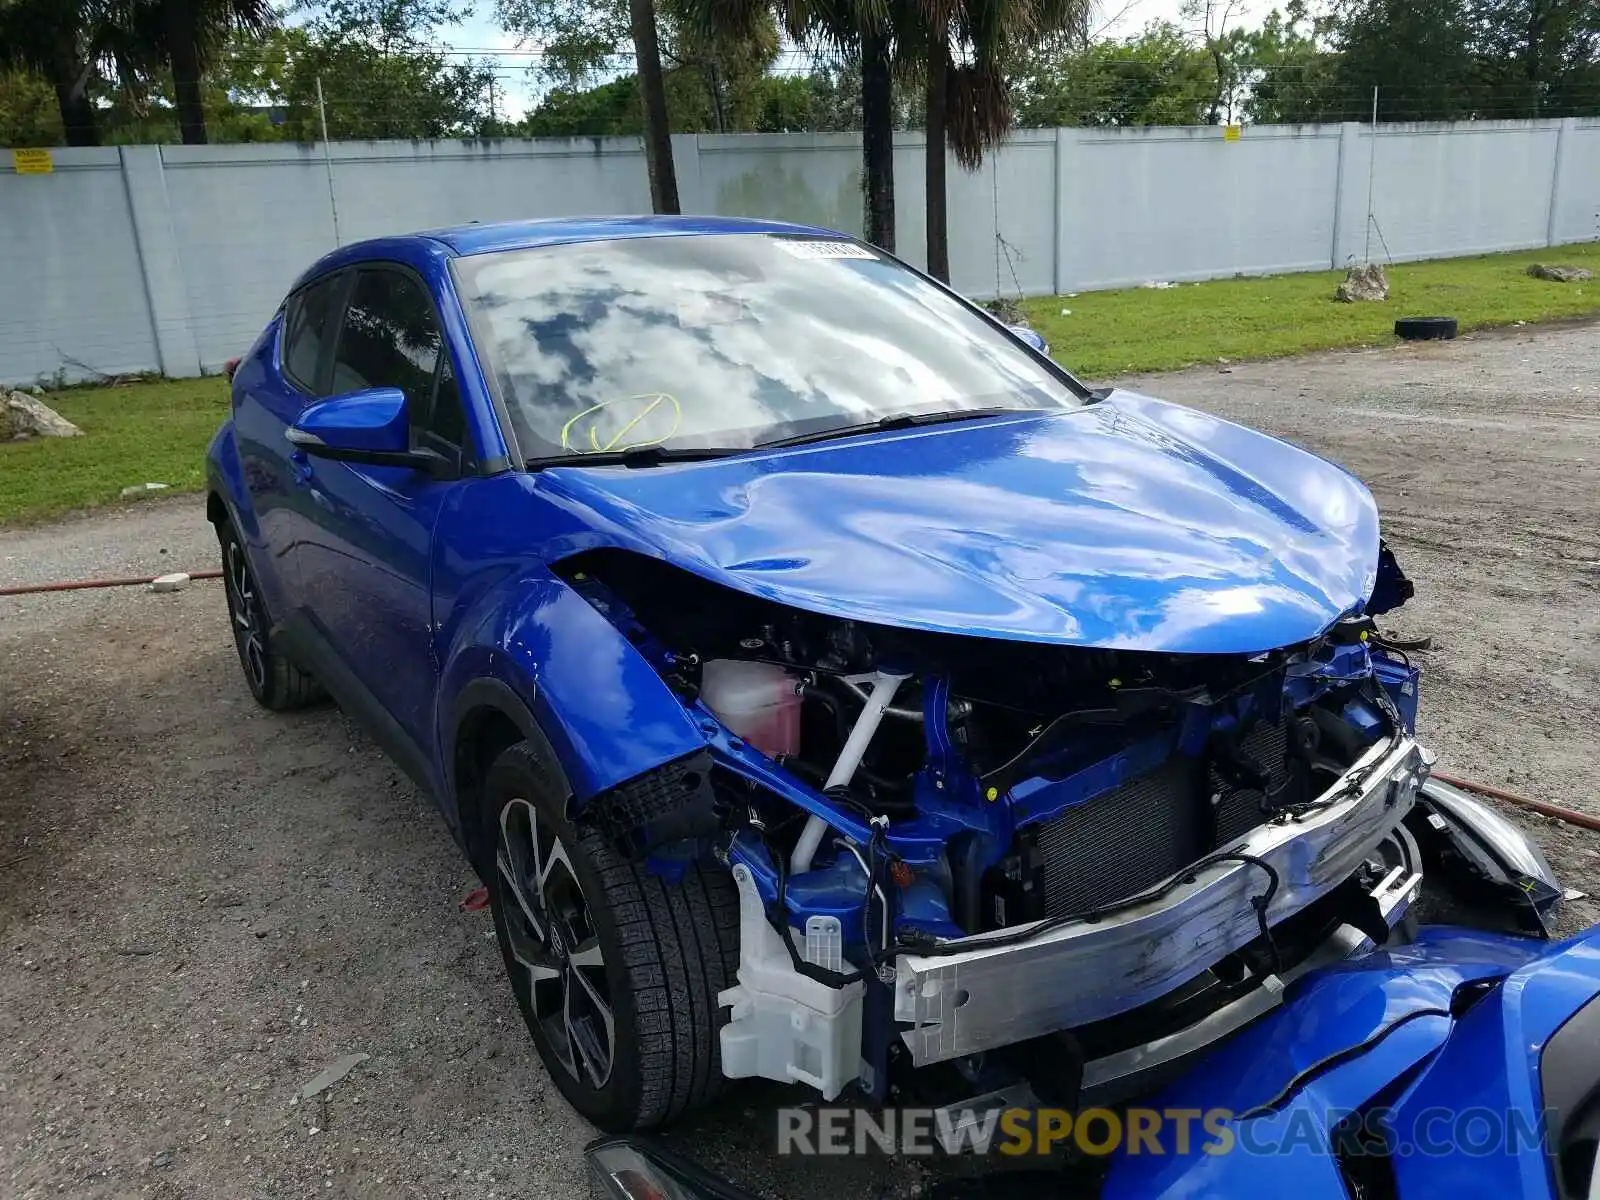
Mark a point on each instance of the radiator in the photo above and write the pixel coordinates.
(1124, 840)
(1135, 835)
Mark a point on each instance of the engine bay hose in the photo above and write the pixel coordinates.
(1571, 816)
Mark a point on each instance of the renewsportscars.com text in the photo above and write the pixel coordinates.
(1017, 1132)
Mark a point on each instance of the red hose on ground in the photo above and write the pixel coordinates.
(1582, 820)
(78, 585)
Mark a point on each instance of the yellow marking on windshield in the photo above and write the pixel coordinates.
(615, 442)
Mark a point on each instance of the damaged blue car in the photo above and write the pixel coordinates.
(828, 686)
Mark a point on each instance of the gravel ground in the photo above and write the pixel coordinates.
(201, 905)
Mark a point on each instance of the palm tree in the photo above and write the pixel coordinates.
(653, 97)
(187, 34)
(968, 104)
(63, 40)
(869, 29)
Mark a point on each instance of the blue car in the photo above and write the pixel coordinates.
(828, 687)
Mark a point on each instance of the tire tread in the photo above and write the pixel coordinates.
(679, 945)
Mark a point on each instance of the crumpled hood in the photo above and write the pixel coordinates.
(1130, 524)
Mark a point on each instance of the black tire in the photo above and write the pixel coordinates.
(1426, 329)
(274, 681)
(657, 955)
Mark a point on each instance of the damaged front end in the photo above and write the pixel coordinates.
(969, 860)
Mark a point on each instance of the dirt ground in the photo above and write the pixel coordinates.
(202, 905)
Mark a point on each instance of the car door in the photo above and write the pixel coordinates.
(270, 389)
(364, 563)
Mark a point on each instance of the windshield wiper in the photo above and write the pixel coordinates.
(893, 421)
(638, 456)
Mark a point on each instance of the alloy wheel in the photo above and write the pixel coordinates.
(553, 939)
(245, 609)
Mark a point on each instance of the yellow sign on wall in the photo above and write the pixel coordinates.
(33, 162)
(1232, 133)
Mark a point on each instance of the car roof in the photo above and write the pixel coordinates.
(461, 240)
(522, 235)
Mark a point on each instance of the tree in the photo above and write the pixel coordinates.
(65, 41)
(967, 47)
(826, 100)
(187, 34)
(1289, 75)
(865, 31)
(582, 41)
(698, 63)
(653, 97)
(609, 110)
(29, 114)
(1417, 53)
(1157, 78)
(1538, 56)
(382, 70)
(1223, 42)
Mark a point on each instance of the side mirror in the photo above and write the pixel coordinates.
(371, 428)
(1032, 336)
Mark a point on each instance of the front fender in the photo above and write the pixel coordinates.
(606, 713)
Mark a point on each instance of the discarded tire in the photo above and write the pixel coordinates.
(1426, 329)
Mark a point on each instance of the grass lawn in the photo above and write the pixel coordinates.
(157, 431)
(147, 432)
(1146, 329)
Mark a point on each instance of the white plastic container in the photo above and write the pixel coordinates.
(786, 1026)
(756, 701)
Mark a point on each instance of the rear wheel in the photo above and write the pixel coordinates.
(615, 970)
(274, 681)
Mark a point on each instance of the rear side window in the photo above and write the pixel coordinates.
(390, 338)
(309, 321)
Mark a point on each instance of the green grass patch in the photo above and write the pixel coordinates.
(146, 432)
(1148, 329)
(156, 431)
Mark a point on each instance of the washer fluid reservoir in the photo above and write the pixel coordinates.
(756, 701)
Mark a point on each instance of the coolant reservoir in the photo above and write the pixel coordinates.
(757, 701)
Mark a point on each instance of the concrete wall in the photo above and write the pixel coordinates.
(171, 258)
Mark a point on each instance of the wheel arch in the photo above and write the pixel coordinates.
(225, 489)
(217, 508)
(537, 653)
(489, 718)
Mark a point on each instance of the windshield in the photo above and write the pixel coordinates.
(729, 341)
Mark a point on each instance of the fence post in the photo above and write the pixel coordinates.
(1553, 216)
(165, 288)
(1347, 134)
(1059, 197)
(686, 163)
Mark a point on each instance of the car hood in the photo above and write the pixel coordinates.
(1128, 524)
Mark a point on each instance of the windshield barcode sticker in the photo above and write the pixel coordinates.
(816, 248)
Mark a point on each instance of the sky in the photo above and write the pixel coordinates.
(1113, 19)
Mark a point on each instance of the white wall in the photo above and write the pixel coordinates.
(171, 258)
(1142, 204)
(1575, 202)
(1463, 189)
(73, 297)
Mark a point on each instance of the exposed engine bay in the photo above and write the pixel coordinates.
(948, 847)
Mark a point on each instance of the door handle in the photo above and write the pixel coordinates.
(300, 465)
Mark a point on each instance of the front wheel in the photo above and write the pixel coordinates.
(615, 970)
